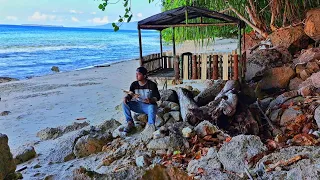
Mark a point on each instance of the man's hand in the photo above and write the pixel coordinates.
(150, 101)
(126, 99)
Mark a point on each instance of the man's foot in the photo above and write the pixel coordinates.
(146, 134)
(128, 127)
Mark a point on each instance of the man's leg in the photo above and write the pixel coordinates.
(151, 111)
(127, 108)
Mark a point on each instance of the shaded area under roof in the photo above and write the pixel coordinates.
(178, 16)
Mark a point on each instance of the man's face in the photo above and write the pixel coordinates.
(139, 76)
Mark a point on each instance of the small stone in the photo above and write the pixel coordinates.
(316, 133)
(275, 115)
(159, 121)
(37, 166)
(161, 152)
(176, 115)
(166, 117)
(305, 74)
(206, 128)
(289, 115)
(25, 154)
(157, 134)
(143, 118)
(307, 90)
(299, 68)
(187, 132)
(142, 161)
(312, 66)
(55, 69)
(294, 83)
(188, 87)
(5, 113)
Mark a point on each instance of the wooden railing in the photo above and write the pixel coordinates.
(197, 66)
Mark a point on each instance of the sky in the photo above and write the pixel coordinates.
(71, 13)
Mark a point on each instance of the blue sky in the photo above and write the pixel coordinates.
(70, 13)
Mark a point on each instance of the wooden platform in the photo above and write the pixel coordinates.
(162, 74)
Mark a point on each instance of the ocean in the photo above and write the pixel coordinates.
(28, 51)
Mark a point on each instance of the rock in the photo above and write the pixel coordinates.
(277, 78)
(251, 40)
(175, 115)
(275, 115)
(169, 142)
(55, 69)
(5, 113)
(312, 67)
(305, 74)
(208, 94)
(187, 132)
(195, 92)
(309, 55)
(208, 163)
(109, 126)
(53, 133)
(263, 60)
(169, 95)
(312, 24)
(159, 121)
(24, 154)
(313, 80)
(294, 83)
(307, 91)
(188, 87)
(234, 154)
(157, 134)
(306, 168)
(142, 161)
(7, 79)
(142, 118)
(7, 164)
(219, 175)
(161, 172)
(292, 38)
(90, 144)
(289, 115)
(205, 128)
(166, 117)
(167, 105)
(317, 116)
(299, 68)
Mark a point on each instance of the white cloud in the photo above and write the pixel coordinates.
(139, 15)
(75, 12)
(38, 16)
(93, 13)
(74, 19)
(98, 20)
(11, 18)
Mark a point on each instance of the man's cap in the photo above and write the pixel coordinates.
(142, 70)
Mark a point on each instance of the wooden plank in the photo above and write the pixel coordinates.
(185, 68)
(203, 66)
(225, 65)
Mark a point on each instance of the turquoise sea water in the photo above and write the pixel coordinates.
(27, 51)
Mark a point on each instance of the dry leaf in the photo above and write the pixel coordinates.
(197, 155)
(200, 171)
(228, 139)
(304, 140)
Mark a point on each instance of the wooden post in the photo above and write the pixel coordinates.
(163, 62)
(235, 67)
(140, 46)
(176, 68)
(174, 42)
(194, 67)
(185, 64)
(203, 66)
(225, 65)
(215, 74)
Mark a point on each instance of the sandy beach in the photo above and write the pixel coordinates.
(61, 98)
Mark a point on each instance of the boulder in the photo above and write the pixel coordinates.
(317, 116)
(7, 79)
(277, 78)
(305, 74)
(299, 68)
(208, 94)
(292, 38)
(264, 59)
(91, 144)
(169, 95)
(208, 163)
(308, 55)
(313, 80)
(289, 116)
(109, 126)
(52, 133)
(171, 142)
(175, 115)
(7, 164)
(312, 24)
(5, 113)
(24, 154)
(294, 83)
(205, 128)
(235, 153)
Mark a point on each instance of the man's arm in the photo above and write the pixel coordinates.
(155, 93)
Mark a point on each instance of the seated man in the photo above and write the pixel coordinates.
(146, 103)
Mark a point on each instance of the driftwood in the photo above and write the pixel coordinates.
(209, 94)
(186, 102)
(132, 94)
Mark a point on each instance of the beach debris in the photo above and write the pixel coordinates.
(5, 113)
(55, 69)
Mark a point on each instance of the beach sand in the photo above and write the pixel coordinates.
(59, 99)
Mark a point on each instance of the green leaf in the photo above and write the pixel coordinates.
(101, 6)
(126, 16)
(113, 24)
(129, 19)
(120, 20)
(116, 28)
(176, 152)
(125, 4)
